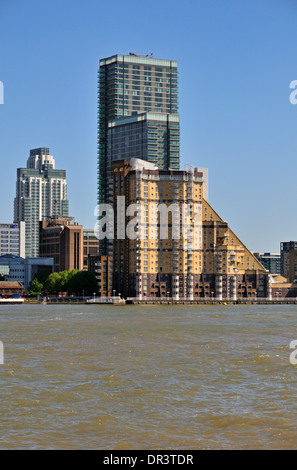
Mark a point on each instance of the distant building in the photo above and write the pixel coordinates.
(10, 288)
(62, 239)
(90, 246)
(102, 268)
(15, 268)
(280, 287)
(270, 261)
(41, 192)
(285, 249)
(12, 239)
(292, 266)
(205, 260)
(4, 271)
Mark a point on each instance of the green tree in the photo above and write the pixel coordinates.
(53, 283)
(83, 282)
(74, 282)
(35, 287)
(42, 276)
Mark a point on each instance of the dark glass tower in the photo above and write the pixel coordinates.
(129, 85)
(150, 136)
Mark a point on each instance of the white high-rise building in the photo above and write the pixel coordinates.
(41, 192)
(12, 239)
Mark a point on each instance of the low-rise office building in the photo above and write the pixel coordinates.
(62, 239)
(15, 268)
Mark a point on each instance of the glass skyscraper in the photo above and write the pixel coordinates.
(150, 136)
(129, 86)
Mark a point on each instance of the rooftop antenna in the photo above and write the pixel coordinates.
(140, 55)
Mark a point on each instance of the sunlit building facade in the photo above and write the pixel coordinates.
(191, 253)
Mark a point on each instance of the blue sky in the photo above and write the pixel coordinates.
(236, 61)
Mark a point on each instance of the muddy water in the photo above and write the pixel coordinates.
(148, 377)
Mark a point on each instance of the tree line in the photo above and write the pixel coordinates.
(73, 282)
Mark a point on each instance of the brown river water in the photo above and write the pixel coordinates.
(148, 377)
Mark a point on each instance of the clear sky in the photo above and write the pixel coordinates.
(236, 60)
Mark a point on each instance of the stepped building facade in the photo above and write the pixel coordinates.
(177, 245)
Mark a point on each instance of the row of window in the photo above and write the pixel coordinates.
(159, 78)
(11, 246)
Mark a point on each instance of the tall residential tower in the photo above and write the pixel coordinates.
(41, 192)
(137, 115)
